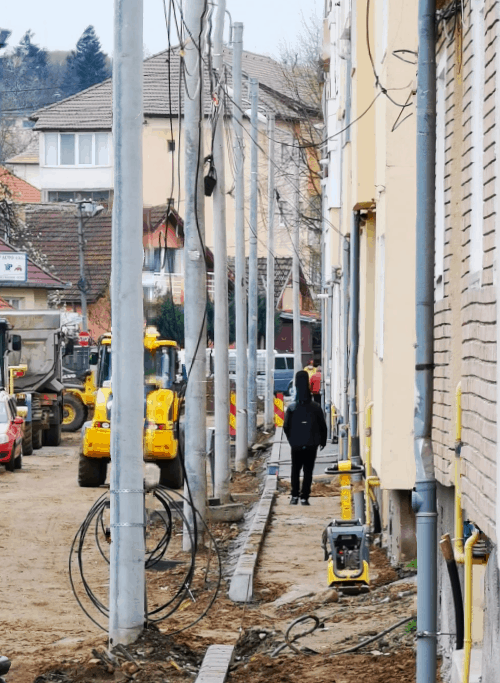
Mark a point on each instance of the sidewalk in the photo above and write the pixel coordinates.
(281, 456)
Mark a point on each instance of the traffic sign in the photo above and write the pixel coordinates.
(84, 338)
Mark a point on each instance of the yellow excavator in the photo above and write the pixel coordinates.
(162, 432)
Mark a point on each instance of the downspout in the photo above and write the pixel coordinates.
(424, 496)
(345, 291)
(327, 370)
(359, 507)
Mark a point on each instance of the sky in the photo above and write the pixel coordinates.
(57, 24)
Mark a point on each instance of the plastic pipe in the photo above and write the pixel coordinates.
(368, 460)
(459, 522)
(424, 497)
(451, 566)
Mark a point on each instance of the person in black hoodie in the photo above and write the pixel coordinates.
(305, 429)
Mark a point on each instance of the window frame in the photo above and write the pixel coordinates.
(76, 149)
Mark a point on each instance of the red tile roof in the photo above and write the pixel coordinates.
(54, 232)
(37, 277)
(5, 304)
(21, 191)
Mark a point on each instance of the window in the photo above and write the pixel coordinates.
(51, 142)
(476, 220)
(78, 195)
(16, 303)
(171, 145)
(67, 154)
(280, 364)
(76, 149)
(85, 150)
(440, 174)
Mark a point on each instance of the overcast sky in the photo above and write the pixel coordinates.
(58, 24)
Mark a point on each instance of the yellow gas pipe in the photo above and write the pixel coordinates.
(469, 561)
(370, 481)
(466, 558)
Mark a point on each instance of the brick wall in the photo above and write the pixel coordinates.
(465, 319)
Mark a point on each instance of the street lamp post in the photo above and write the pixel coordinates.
(89, 209)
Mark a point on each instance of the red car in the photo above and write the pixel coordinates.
(11, 434)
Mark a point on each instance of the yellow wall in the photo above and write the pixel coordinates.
(30, 298)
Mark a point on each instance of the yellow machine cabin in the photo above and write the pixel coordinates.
(161, 413)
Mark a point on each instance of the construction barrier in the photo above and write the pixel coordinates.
(232, 414)
(279, 410)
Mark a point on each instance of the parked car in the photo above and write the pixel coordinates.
(11, 434)
(283, 375)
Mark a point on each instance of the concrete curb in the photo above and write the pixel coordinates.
(241, 588)
(216, 662)
(275, 451)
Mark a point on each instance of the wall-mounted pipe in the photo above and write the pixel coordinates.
(469, 546)
(451, 566)
(424, 498)
(345, 293)
(359, 496)
(459, 522)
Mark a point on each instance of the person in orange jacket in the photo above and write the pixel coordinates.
(315, 385)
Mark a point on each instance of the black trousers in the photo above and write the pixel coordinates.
(303, 459)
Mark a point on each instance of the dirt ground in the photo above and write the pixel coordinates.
(49, 639)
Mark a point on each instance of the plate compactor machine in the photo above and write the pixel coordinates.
(346, 541)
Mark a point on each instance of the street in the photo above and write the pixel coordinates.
(43, 628)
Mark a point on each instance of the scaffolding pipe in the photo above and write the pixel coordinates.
(126, 561)
(424, 496)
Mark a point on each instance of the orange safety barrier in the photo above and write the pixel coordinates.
(232, 414)
(279, 410)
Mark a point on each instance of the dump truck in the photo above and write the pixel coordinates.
(163, 431)
(79, 386)
(39, 387)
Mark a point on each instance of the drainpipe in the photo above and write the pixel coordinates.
(327, 369)
(359, 507)
(345, 407)
(424, 496)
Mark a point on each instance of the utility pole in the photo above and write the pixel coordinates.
(240, 286)
(269, 402)
(253, 269)
(297, 342)
(195, 294)
(221, 325)
(127, 560)
(90, 210)
(82, 285)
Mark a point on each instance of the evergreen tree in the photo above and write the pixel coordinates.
(86, 65)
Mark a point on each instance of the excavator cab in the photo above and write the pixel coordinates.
(162, 407)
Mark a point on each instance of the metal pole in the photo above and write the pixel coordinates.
(270, 303)
(326, 370)
(297, 342)
(358, 496)
(345, 322)
(424, 497)
(4, 36)
(253, 269)
(222, 467)
(82, 285)
(195, 293)
(126, 567)
(240, 286)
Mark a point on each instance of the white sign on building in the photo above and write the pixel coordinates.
(13, 267)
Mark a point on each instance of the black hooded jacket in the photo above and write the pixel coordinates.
(304, 424)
